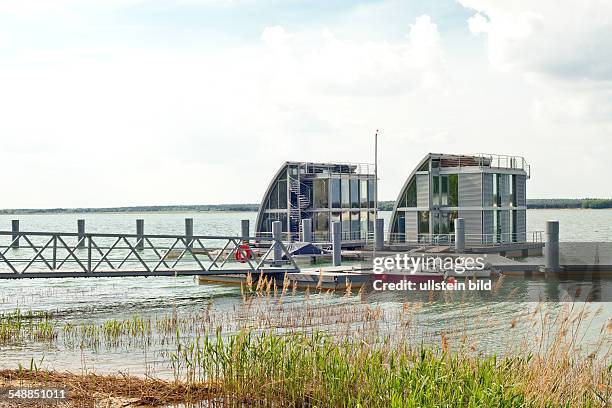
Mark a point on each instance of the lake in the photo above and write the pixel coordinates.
(77, 302)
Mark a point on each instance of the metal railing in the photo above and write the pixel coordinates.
(470, 239)
(50, 255)
(338, 168)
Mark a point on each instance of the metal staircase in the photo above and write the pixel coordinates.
(299, 201)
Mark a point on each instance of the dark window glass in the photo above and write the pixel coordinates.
(411, 194)
(444, 195)
(453, 190)
(282, 194)
(435, 180)
(355, 225)
(346, 196)
(354, 193)
(363, 193)
(266, 223)
(335, 217)
(321, 193)
(346, 224)
(335, 193)
(423, 222)
(513, 190)
(274, 197)
(497, 190)
(321, 226)
(282, 217)
(363, 219)
(372, 193)
(436, 223)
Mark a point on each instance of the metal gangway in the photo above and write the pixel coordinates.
(72, 255)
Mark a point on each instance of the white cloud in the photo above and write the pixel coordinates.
(560, 39)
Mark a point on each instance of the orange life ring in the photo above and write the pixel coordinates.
(246, 250)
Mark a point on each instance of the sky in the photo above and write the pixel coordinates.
(158, 102)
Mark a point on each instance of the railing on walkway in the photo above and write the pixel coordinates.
(48, 255)
(477, 240)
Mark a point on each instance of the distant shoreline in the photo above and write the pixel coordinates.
(552, 203)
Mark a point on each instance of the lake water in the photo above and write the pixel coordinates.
(82, 301)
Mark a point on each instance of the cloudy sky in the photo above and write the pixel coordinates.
(152, 102)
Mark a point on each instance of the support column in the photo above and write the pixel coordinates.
(379, 233)
(15, 235)
(189, 231)
(337, 243)
(140, 234)
(459, 235)
(81, 232)
(306, 230)
(277, 234)
(244, 229)
(551, 248)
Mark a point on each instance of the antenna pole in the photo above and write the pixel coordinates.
(375, 191)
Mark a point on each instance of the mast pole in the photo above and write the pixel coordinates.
(375, 191)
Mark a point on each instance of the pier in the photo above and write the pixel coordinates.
(81, 254)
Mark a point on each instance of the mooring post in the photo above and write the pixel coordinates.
(244, 230)
(337, 243)
(81, 232)
(277, 234)
(459, 235)
(306, 230)
(15, 235)
(140, 234)
(189, 232)
(551, 248)
(379, 234)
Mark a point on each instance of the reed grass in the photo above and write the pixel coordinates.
(316, 348)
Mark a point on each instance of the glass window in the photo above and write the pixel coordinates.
(372, 193)
(282, 194)
(355, 225)
(513, 190)
(497, 225)
(364, 224)
(435, 180)
(346, 197)
(513, 225)
(346, 224)
(371, 218)
(321, 193)
(444, 188)
(335, 217)
(411, 194)
(452, 216)
(436, 223)
(363, 193)
(335, 193)
(400, 227)
(423, 222)
(496, 190)
(266, 223)
(274, 197)
(282, 217)
(354, 193)
(453, 190)
(321, 226)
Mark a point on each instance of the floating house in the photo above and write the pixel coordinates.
(323, 193)
(487, 191)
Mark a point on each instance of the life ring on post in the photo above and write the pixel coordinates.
(245, 252)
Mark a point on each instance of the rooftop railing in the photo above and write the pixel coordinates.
(486, 160)
(337, 168)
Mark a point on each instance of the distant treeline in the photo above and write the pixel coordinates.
(156, 208)
(570, 203)
(382, 206)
